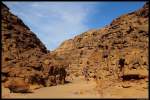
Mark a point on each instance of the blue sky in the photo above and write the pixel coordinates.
(54, 22)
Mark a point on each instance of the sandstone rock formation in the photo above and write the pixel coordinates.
(118, 51)
(24, 55)
(101, 50)
(17, 85)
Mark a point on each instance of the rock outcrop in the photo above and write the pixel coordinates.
(24, 55)
(17, 85)
(118, 51)
(101, 50)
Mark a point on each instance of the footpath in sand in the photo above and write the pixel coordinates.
(79, 88)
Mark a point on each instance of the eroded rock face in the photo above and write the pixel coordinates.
(24, 55)
(100, 50)
(17, 85)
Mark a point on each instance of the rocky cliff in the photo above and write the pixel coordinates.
(119, 50)
(24, 56)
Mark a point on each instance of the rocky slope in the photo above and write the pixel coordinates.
(117, 51)
(24, 56)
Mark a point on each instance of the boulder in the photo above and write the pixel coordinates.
(17, 85)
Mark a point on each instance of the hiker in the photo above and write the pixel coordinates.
(85, 73)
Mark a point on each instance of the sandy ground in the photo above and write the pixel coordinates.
(79, 88)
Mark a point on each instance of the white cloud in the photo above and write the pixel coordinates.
(53, 22)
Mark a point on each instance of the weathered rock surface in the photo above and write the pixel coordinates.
(118, 51)
(24, 55)
(17, 85)
(101, 50)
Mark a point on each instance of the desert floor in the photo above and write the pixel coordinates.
(79, 88)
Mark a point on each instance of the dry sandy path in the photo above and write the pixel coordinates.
(79, 88)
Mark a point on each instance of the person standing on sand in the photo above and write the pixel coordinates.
(85, 73)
